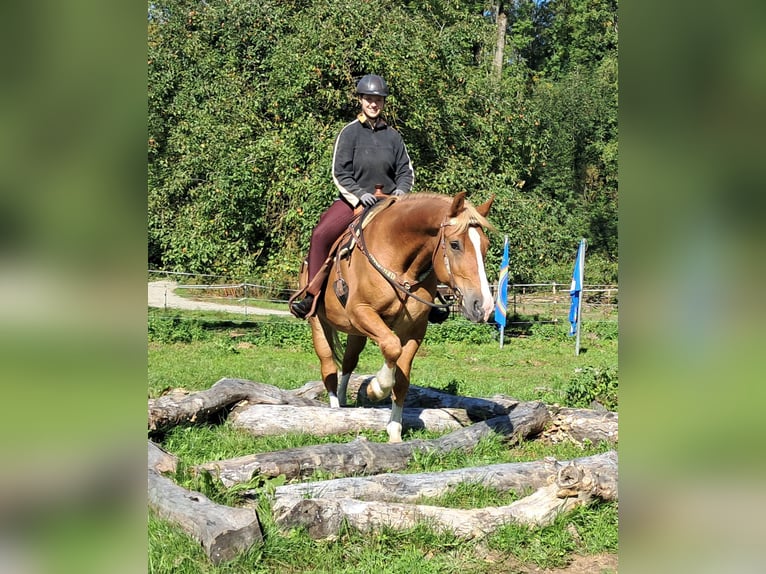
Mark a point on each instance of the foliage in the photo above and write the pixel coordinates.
(461, 330)
(174, 329)
(240, 131)
(593, 384)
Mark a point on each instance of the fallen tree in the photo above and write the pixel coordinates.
(223, 531)
(269, 420)
(160, 459)
(572, 485)
(390, 487)
(579, 425)
(420, 397)
(180, 407)
(363, 457)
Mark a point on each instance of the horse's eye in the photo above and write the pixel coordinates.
(455, 245)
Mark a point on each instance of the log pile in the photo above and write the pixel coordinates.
(368, 495)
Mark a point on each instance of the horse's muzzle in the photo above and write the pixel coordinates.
(477, 308)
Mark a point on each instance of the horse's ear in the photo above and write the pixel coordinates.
(483, 209)
(458, 204)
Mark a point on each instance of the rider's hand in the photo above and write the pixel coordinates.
(368, 199)
(397, 192)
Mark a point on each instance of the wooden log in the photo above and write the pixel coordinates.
(323, 517)
(161, 460)
(269, 420)
(223, 531)
(180, 407)
(363, 457)
(420, 397)
(579, 425)
(410, 488)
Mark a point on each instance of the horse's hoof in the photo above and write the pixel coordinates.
(394, 432)
(374, 392)
(334, 402)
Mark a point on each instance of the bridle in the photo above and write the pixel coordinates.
(405, 286)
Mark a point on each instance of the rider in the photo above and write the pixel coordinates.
(368, 154)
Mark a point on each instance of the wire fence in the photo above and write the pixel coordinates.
(528, 303)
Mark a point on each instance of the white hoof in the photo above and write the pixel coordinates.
(334, 402)
(375, 392)
(394, 431)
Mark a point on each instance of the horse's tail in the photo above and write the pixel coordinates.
(333, 340)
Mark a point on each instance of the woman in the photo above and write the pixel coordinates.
(368, 153)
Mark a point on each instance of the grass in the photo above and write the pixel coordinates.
(194, 350)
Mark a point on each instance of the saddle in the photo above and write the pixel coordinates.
(341, 249)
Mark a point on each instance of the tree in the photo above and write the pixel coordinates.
(241, 131)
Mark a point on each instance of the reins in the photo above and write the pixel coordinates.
(405, 287)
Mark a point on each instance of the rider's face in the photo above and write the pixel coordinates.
(372, 105)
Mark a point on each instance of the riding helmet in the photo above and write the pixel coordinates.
(372, 85)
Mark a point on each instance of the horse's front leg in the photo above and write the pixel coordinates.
(402, 385)
(370, 323)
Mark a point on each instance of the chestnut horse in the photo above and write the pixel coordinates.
(389, 282)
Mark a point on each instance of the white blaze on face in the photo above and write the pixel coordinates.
(486, 295)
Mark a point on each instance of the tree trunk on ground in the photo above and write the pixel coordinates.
(180, 407)
(364, 457)
(573, 486)
(269, 420)
(578, 425)
(388, 487)
(421, 397)
(161, 460)
(223, 531)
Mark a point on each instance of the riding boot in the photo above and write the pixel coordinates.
(301, 308)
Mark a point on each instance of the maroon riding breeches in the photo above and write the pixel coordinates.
(332, 224)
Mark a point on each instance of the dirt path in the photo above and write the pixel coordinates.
(162, 294)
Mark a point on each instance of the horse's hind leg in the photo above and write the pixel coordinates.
(354, 346)
(327, 364)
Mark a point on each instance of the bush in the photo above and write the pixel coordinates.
(551, 331)
(591, 384)
(461, 330)
(163, 329)
(281, 334)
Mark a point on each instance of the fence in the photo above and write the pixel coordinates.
(527, 302)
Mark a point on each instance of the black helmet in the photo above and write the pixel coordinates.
(372, 85)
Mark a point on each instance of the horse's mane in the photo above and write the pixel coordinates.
(464, 220)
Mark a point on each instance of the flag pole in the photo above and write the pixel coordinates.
(579, 302)
(501, 303)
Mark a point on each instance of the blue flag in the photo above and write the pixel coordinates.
(501, 303)
(575, 290)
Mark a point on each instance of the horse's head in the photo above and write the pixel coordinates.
(463, 248)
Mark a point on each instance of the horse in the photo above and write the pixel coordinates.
(384, 288)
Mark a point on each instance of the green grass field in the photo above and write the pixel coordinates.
(194, 350)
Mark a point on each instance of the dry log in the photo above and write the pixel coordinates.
(579, 425)
(421, 397)
(180, 407)
(573, 486)
(161, 460)
(263, 420)
(223, 531)
(410, 488)
(364, 457)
